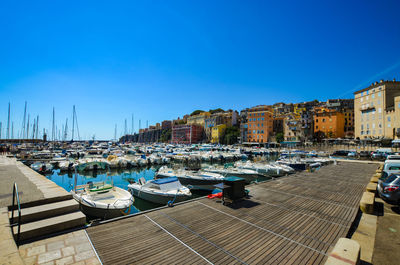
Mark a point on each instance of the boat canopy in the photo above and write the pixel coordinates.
(167, 184)
(165, 180)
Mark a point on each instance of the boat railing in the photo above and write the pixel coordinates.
(16, 197)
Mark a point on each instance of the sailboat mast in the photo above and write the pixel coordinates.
(8, 122)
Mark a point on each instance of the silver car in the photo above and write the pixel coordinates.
(389, 189)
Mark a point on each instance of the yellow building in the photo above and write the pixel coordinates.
(198, 119)
(217, 133)
(375, 110)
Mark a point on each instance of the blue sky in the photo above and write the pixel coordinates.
(163, 59)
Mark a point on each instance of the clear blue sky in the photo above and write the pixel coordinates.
(162, 59)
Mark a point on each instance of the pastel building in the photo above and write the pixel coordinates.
(217, 133)
(330, 122)
(260, 123)
(376, 111)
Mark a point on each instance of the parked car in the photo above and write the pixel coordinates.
(389, 189)
(392, 157)
(390, 167)
(352, 153)
(365, 154)
(341, 153)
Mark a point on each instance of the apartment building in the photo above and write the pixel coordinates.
(259, 123)
(187, 134)
(376, 114)
(330, 122)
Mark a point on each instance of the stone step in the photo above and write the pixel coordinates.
(45, 211)
(51, 199)
(50, 225)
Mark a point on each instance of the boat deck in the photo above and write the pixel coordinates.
(291, 220)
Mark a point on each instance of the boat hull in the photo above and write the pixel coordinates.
(157, 198)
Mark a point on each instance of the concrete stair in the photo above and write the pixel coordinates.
(50, 225)
(45, 218)
(45, 211)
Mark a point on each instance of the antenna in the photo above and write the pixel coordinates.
(8, 122)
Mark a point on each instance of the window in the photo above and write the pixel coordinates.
(366, 98)
(262, 124)
(367, 92)
(388, 118)
(258, 119)
(380, 110)
(361, 99)
(379, 94)
(389, 125)
(323, 120)
(373, 96)
(316, 127)
(316, 120)
(254, 131)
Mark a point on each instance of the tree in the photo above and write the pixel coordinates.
(166, 135)
(231, 135)
(319, 136)
(212, 111)
(196, 112)
(279, 137)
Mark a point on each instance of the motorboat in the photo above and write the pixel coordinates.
(228, 170)
(42, 167)
(160, 191)
(195, 180)
(102, 199)
(273, 170)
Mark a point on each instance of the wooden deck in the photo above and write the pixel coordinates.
(291, 220)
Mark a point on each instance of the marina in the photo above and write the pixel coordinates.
(292, 220)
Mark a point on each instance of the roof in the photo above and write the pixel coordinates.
(376, 84)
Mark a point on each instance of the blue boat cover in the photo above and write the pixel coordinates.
(165, 180)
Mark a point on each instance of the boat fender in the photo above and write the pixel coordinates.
(170, 204)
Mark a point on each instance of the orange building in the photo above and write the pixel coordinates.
(330, 122)
(260, 123)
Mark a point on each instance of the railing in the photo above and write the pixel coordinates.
(16, 196)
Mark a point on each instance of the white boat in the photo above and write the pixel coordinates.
(161, 191)
(227, 171)
(102, 200)
(274, 170)
(196, 180)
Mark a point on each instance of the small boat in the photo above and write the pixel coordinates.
(42, 167)
(195, 180)
(102, 200)
(161, 191)
(248, 174)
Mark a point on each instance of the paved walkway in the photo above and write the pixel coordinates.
(9, 173)
(71, 248)
(387, 241)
